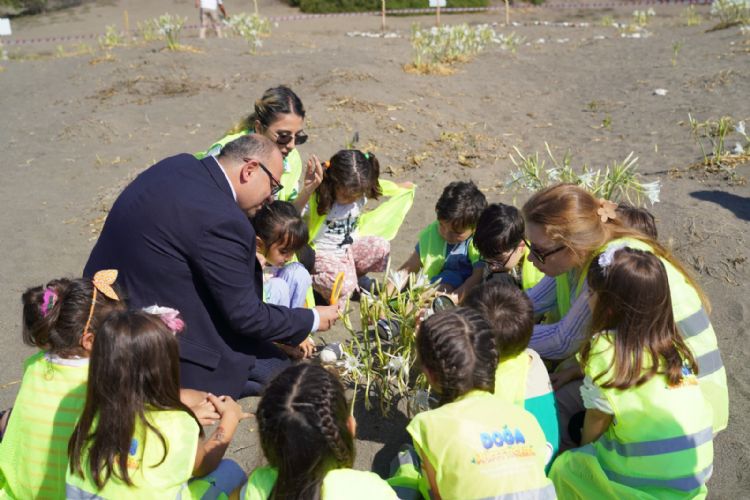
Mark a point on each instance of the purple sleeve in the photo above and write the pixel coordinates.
(563, 339)
(543, 295)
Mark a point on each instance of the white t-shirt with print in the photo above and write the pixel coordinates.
(340, 228)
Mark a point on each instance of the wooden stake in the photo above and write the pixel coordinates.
(382, 16)
(438, 13)
(507, 12)
(126, 22)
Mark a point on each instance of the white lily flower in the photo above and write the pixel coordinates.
(738, 149)
(351, 364)
(652, 190)
(740, 128)
(586, 179)
(396, 362)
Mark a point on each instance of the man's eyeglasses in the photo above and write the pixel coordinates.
(540, 256)
(284, 138)
(276, 186)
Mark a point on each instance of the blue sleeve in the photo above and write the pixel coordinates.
(563, 339)
(545, 410)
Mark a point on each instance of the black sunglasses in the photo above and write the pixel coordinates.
(540, 256)
(284, 138)
(276, 186)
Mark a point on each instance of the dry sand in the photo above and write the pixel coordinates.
(74, 129)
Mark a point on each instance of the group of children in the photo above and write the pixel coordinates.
(100, 412)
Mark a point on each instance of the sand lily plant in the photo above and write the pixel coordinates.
(251, 27)
(731, 13)
(617, 182)
(435, 49)
(380, 358)
(723, 143)
(165, 27)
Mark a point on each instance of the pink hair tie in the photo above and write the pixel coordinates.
(170, 317)
(49, 299)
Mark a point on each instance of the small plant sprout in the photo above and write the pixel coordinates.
(641, 18)
(607, 21)
(713, 138)
(607, 122)
(676, 47)
(617, 182)
(251, 27)
(112, 38)
(691, 16)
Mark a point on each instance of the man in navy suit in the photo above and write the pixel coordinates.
(180, 237)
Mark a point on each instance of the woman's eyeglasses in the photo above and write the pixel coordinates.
(539, 255)
(284, 138)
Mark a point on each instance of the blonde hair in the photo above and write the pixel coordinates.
(569, 216)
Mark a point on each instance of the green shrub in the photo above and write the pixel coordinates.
(322, 6)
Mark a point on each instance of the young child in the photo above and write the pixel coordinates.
(445, 249)
(475, 445)
(346, 239)
(135, 438)
(521, 377)
(307, 436)
(648, 427)
(499, 238)
(280, 233)
(59, 319)
(638, 218)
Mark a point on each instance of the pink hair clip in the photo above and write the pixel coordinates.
(170, 317)
(49, 299)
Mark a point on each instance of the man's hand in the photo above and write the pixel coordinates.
(328, 316)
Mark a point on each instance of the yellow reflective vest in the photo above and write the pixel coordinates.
(483, 447)
(292, 165)
(383, 221)
(659, 445)
(433, 248)
(168, 479)
(339, 484)
(34, 450)
(693, 324)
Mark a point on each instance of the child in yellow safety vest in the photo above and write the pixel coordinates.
(280, 233)
(648, 429)
(340, 236)
(307, 436)
(59, 319)
(445, 250)
(135, 438)
(499, 238)
(475, 445)
(521, 377)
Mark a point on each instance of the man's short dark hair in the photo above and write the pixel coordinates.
(509, 311)
(460, 205)
(249, 146)
(499, 230)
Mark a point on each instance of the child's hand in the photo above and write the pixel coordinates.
(562, 377)
(406, 185)
(228, 407)
(262, 260)
(206, 412)
(313, 175)
(307, 347)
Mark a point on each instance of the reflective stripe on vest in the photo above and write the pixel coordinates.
(685, 483)
(661, 435)
(658, 446)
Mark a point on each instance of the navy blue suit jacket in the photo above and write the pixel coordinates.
(179, 239)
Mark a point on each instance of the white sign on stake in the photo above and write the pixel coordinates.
(437, 3)
(4, 26)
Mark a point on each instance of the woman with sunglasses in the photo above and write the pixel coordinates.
(567, 228)
(280, 116)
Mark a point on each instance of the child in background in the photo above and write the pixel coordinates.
(648, 429)
(475, 445)
(280, 233)
(499, 237)
(135, 438)
(307, 436)
(59, 319)
(445, 249)
(338, 232)
(521, 377)
(638, 218)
